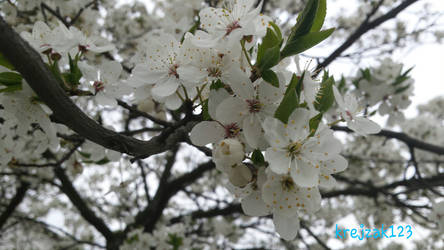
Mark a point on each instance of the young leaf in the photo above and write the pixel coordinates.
(290, 101)
(305, 20)
(5, 63)
(314, 123)
(216, 85)
(325, 96)
(11, 88)
(270, 58)
(305, 42)
(320, 16)
(257, 157)
(10, 78)
(271, 77)
(205, 113)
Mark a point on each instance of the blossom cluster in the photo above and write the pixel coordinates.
(265, 123)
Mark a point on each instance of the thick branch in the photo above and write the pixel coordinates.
(29, 63)
(362, 29)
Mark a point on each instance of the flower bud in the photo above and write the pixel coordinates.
(239, 175)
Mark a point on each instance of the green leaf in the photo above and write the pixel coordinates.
(305, 20)
(10, 78)
(320, 16)
(325, 96)
(402, 78)
(270, 58)
(277, 30)
(258, 158)
(103, 161)
(175, 241)
(271, 77)
(402, 89)
(218, 84)
(366, 74)
(290, 101)
(205, 114)
(314, 123)
(305, 42)
(11, 88)
(295, 84)
(5, 63)
(74, 74)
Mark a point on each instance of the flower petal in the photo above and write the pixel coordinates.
(278, 160)
(286, 227)
(206, 132)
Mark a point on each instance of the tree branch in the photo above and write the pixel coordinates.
(89, 215)
(408, 140)
(362, 29)
(14, 203)
(29, 63)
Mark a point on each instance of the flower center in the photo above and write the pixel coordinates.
(214, 72)
(349, 114)
(232, 26)
(294, 148)
(231, 130)
(254, 106)
(98, 86)
(287, 183)
(173, 71)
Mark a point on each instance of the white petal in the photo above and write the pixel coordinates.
(338, 97)
(165, 87)
(253, 205)
(364, 126)
(304, 174)
(206, 132)
(191, 74)
(286, 227)
(110, 71)
(142, 75)
(231, 110)
(278, 160)
(334, 165)
(239, 82)
(327, 181)
(216, 97)
(173, 102)
(252, 131)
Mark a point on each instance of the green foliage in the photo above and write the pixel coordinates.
(5, 63)
(320, 16)
(218, 84)
(307, 31)
(305, 20)
(314, 123)
(73, 76)
(175, 241)
(257, 158)
(303, 43)
(290, 101)
(270, 58)
(10, 78)
(272, 38)
(11, 88)
(271, 77)
(205, 114)
(325, 97)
